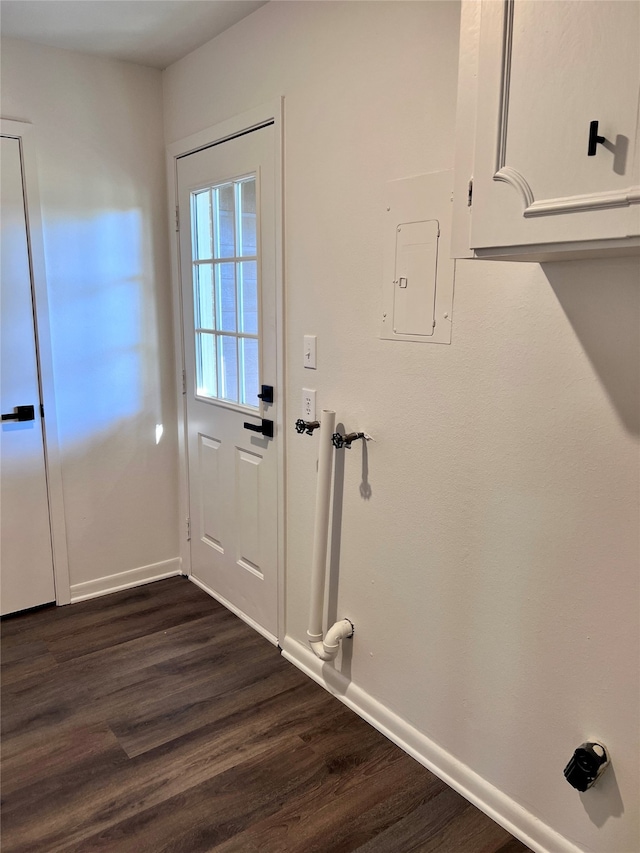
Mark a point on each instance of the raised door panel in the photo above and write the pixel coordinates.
(212, 521)
(249, 496)
(546, 70)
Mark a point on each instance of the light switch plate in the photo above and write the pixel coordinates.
(310, 351)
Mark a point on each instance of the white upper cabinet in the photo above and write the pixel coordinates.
(534, 78)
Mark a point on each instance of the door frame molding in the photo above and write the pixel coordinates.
(269, 113)
(26, 134)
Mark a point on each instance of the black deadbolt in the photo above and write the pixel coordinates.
(266, 394)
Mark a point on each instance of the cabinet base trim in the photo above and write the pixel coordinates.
(596, 201)
(564, 204)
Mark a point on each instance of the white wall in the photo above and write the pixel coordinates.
(492, 573)
(101, 174)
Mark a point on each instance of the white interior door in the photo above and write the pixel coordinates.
(26, 560)
(226, 196)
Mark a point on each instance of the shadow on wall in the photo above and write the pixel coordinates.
(601, 300)
(608, 802)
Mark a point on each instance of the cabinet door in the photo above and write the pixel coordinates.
(546, 70)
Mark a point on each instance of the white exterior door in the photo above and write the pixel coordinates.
(226, 197)
(26, 564)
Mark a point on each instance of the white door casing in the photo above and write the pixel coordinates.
(34, 556)
(233, 478)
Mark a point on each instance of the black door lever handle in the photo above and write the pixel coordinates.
(20, 413)
(265, 427)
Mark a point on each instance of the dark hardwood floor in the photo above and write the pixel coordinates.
(155, 720)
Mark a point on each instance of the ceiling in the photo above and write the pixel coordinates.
(148, 32)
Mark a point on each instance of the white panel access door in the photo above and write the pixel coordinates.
(26, 560)
(226, 197)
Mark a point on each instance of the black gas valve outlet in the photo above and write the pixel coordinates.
(587, 763)
(339, 441)
(306, 426)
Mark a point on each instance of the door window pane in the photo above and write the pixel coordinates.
(224, 222)
(247, 219)
(206, 374)
(204, 296)
(225, 292)
(228, 355)
(248, 296)
(250, 372)
(202, 225)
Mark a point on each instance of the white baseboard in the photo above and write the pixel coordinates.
(125, 580)
(540, 837)
(234, 609)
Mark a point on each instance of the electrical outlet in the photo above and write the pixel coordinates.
(308, 404)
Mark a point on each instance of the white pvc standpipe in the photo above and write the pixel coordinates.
(325, 649)
(321, 525)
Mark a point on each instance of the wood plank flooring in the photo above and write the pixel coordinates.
(155, 720)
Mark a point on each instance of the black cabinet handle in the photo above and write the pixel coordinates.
(20, 413)
(265, 427)
(594, 139)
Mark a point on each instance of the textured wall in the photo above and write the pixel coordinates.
(102, 188)
(492, 572)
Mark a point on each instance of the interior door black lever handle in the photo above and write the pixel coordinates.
(20, 413)
(265, 427)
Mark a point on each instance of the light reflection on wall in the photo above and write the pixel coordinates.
(96, 265)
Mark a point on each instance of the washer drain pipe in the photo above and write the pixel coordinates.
(326, 648)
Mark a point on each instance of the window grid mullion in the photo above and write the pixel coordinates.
(215, 218)
(211, 227)
(218, 305)
(230, 260)
(217, 333)
(242, 335)
(236, 247)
